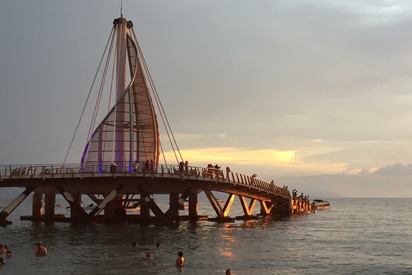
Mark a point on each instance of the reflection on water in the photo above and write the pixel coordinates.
(227, 239)
(343, 240)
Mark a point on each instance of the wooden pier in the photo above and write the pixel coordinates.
(115, 192)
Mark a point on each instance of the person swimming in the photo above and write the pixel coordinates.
(1, 261)
(148, 255)
(180, 260)
(41, 250)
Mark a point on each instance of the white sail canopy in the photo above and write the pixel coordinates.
(129, 132)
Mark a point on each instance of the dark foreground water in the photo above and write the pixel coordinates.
(356, 236)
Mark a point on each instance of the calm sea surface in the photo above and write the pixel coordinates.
(356, 236)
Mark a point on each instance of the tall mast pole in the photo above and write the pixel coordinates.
(120, 137)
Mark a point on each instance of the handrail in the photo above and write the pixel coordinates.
(28, 171)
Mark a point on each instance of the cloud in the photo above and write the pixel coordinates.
(182, 137)
(388, 181)
(375, 12)
(397, 169)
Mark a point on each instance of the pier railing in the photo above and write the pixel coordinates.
(76, 170)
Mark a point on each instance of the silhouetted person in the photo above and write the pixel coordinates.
(148, 255)
(180, 260)
(41, 250)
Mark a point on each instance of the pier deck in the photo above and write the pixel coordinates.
(182, 184)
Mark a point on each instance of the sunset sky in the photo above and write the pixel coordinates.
(314, 94)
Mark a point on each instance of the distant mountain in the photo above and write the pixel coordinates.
(361, 185)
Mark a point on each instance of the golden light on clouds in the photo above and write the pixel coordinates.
(232, 155)
(285, 163)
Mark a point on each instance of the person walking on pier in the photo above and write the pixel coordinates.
(186, 167)
(152, 166)
(181, 168)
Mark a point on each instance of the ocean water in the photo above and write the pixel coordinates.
(356, 236)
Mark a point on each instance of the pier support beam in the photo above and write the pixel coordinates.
(174, 206)
(146, 199)
(144, 208)
(108, 204)
(228, 204)
(266, 207)
(49, 204)
(222, 214)
(119, 211)
(75, 213)
(281, 207)
(176, 203)
(13, 205)
(193, 206)
(37, 206)
(247, 208)
(109, 211)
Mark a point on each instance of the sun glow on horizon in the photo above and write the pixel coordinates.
(266, 162)
(233, 155)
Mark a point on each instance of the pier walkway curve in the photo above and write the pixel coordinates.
(115, 191)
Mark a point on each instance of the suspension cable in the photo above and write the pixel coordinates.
(98, 99)
(110, 102)
(163, 153)
(99, 96)
(87, 99)
(115, 114)
(159, 105)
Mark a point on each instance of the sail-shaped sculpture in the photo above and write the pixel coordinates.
(129, 132)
